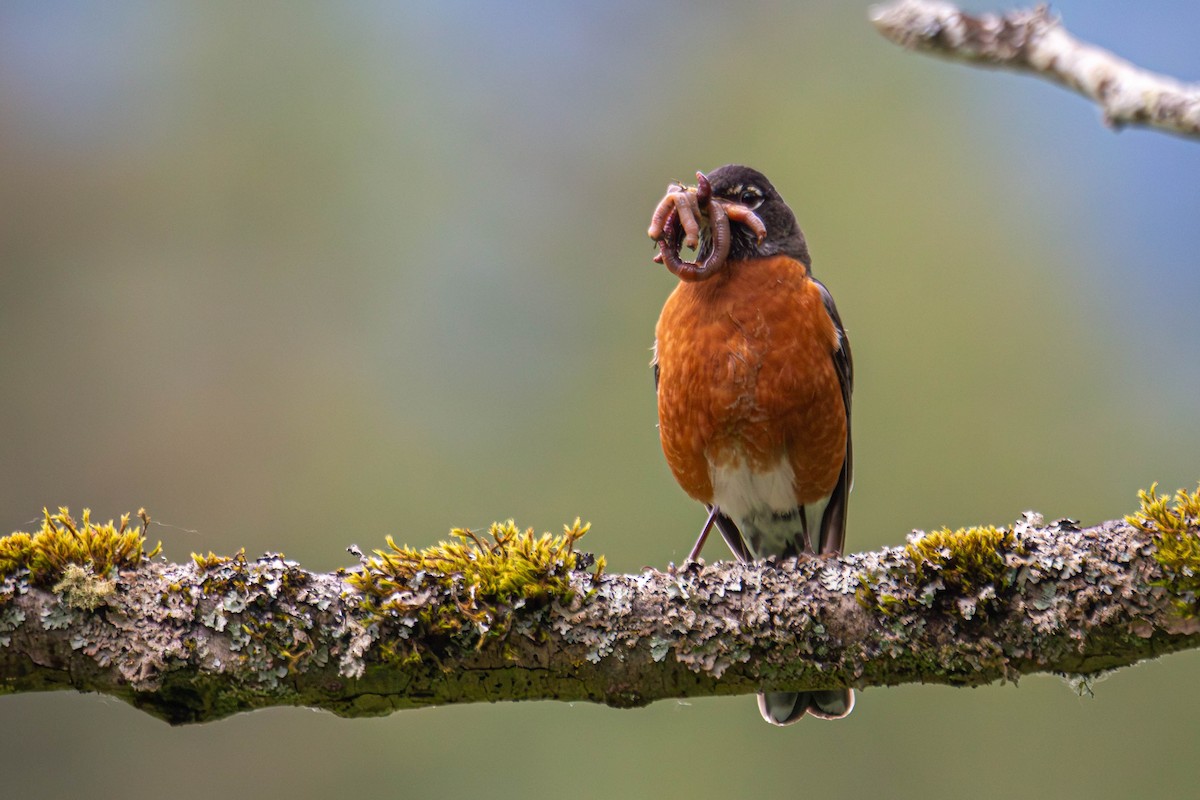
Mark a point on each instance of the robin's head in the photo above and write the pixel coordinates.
(750, 188)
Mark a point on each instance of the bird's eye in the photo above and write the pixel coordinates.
(751, 197)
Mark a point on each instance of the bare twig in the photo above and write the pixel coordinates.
(1034, 40)
(190, 643)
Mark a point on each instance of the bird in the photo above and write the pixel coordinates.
(753, 375)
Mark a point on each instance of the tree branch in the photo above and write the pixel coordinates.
(1035, 41)
(191, 643)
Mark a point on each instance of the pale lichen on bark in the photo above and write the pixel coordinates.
(189, 643)
(1034, 40)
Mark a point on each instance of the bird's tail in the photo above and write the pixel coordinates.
(785, 708)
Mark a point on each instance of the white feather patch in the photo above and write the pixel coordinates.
(743, 493)
(762, 504)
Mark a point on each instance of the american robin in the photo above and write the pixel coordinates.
(754, 374)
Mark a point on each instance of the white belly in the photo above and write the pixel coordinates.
(763, 505)
(743, 493)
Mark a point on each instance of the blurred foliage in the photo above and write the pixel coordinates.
(288, 272)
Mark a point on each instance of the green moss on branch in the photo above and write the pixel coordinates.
(62, 542)
(1174, 525)
(964, 569)
(486, 578)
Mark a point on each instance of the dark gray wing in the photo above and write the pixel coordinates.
(833, 524)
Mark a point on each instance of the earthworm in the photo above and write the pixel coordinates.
(703, 189)
(718, 223)
(690, 271)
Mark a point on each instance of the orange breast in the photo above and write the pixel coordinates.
(746, 374)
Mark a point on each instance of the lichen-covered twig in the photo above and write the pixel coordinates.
(1034, 40)
(511, 616)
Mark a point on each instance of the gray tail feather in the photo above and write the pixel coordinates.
(785, 708)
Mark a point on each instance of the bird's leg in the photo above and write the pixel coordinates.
(708, 523)
(807, 550)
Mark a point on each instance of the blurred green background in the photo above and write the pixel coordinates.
(298, 276)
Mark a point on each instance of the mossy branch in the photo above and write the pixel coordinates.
(512, 616)
(1035, 41)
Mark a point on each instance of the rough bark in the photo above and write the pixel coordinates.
(1034, 40)
(190, 645)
